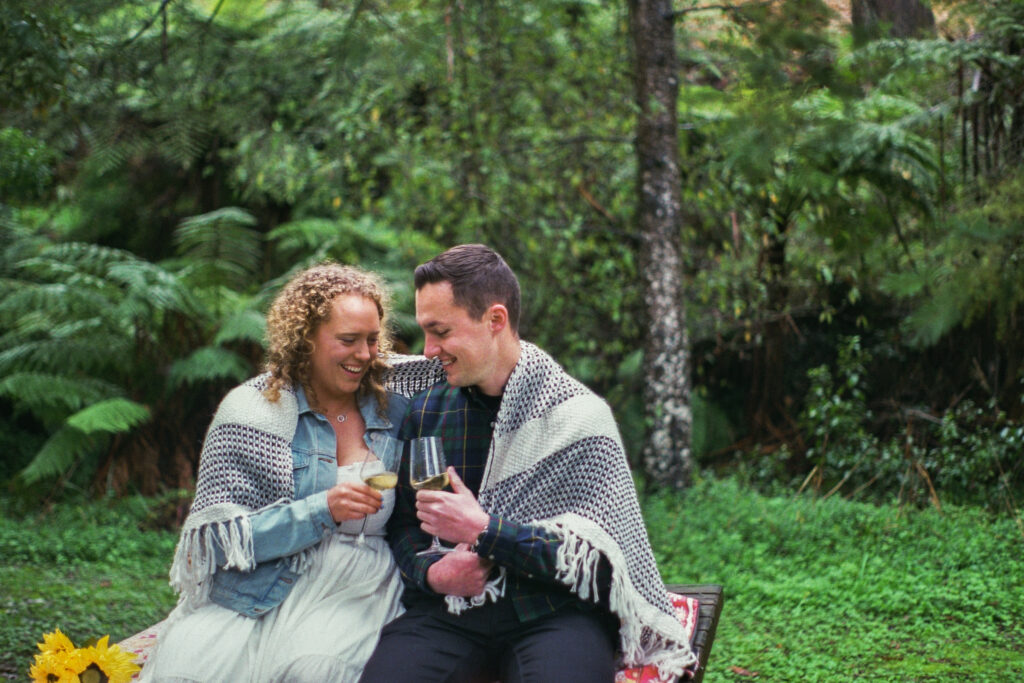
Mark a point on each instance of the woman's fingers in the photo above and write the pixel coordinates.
(352, 500)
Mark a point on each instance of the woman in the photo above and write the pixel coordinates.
(282, 567)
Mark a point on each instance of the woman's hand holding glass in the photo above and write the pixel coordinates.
(352, 500)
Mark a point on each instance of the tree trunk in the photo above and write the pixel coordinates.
(666, 454)
(902, 18)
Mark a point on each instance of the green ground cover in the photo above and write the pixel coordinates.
(837, 591)
(815, 590)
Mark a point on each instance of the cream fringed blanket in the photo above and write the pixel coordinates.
(245, 466)
(557, 462)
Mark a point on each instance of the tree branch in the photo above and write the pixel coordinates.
(718, 8)
(145, 27)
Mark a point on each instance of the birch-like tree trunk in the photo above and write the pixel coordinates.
(666, 453)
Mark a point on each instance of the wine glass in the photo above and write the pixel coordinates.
(381, 475)
(429, 471)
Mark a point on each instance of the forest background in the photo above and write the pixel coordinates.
(849, 224)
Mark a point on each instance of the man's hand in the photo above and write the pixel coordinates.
(455, 517)
(460, 572)
(352, 500)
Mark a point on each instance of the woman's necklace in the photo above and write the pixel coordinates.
(340, 417)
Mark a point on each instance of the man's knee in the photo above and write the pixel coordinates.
(571, 646)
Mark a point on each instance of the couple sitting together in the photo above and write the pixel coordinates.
(291, 568)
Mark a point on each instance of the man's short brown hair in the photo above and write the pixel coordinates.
(479, 278)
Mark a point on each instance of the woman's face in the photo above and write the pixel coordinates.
(344, 345)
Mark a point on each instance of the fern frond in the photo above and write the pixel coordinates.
(182, 139)
(39, 390)
(66, 356)
(85, 257)
(149, 282)
(53, 302)
(206, 364)
(247, 325)
(221, 248)
(305, 235)
(65, 447)
(112, 415)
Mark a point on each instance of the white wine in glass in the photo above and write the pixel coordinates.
(382, 481)
(428, 471)
(379, 471)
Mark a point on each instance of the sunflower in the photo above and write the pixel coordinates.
(56, 667)
(103, 663)
(55, 642)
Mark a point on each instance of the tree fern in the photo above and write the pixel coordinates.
(111, 416)
(38, 390)
(246, 325)
(207, 364)
(63, 449)
(219, 249)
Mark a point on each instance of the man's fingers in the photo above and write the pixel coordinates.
(456, 482)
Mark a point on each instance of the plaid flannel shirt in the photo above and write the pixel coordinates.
(464, 419)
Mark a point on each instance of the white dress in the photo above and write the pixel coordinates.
(325, 629)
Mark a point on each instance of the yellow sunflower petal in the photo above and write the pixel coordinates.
(55, 667)
(56, 642)
(119, 666)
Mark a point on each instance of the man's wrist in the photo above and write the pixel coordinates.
(478, 539)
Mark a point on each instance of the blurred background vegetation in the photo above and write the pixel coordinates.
(852, 188)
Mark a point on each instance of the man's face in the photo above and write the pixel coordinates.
(465, 346)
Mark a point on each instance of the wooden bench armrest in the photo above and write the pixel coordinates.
(711, 599)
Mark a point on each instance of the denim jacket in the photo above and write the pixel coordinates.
(283, 529)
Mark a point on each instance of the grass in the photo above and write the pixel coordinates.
(88, 569)
(815, 590)
(838, 591)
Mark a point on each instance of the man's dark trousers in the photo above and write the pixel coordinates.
(488, 643)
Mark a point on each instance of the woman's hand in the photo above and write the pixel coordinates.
(352, 500)
(459, 573)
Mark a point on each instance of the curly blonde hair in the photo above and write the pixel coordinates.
(296, 314)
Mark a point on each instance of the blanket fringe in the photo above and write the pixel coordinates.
(646, 632)
(494, 590)
(195, 558)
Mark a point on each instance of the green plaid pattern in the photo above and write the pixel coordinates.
(464, 420)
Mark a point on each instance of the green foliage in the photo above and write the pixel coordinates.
(219, 249)
(817, 589)
(974, 269)
(88, 568)
(26, 166)
(814, 588)
(88, 335)
(967, 456)
(172, 166)
(206, 364)
(113, 415)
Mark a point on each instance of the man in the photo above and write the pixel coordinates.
(552, 571)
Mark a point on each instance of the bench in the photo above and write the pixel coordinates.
(708, 596)
(711, 599)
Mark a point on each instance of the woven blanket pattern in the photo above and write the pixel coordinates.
(246, 465)
(557, 461)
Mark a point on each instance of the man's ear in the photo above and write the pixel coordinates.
(497, 317)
